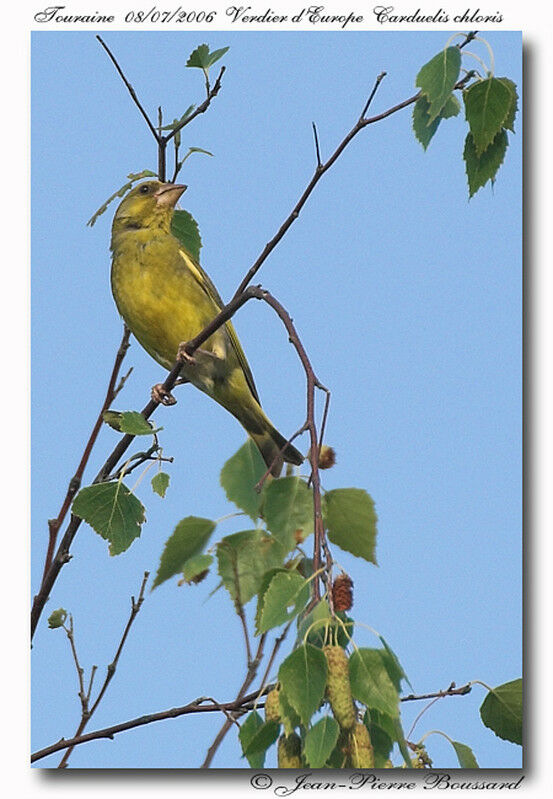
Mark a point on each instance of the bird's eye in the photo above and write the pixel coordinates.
(144, 189)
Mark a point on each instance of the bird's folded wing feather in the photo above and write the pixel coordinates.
(207, 285)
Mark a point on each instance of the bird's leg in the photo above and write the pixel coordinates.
(159, 394)
(162, 396)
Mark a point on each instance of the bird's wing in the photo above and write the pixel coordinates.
(207, 285)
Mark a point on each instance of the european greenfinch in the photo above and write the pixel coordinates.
(166, 298)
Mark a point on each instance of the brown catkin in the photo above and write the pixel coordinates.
(289, 751)
(361, 751)
(272, 706)
(342, 592)
(338, 687)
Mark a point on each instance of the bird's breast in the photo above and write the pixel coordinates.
(157, 296)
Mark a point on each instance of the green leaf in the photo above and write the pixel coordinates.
(288, 510)
(481, 169)
(262, 739)
(133, 177)
(239, 476)
(371, 683)
(185, 228)
(57, 618)
(318, 619)
(113, 511)
(425, 129)
(303, 677)
(382, 734)
(113, 419)
(188, 539)
(263, 586)
(134, 423)
(422, 127)
(319, 742)
(285, 597)
(394, 667)
(465, 755)
(247, 731)
(437, 78)
(488, 104)
(203, 59)
(501, 711)
(160, 483)
(243, 559)
(509, 122)
(351, 521)
(288, 715)
(196, 566)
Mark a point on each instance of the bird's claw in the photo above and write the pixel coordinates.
(184, 357)
(162, 396)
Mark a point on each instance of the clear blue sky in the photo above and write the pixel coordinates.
(408, 300)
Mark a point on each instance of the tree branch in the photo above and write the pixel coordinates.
(86, 712)
(237, 707)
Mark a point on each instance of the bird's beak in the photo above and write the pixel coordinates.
(168, 194)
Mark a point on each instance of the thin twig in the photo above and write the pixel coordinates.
(276, 647)
(317, 148)
(83, 697)
(250, 677)
(239, 707)
(377, 83)
(86, 712)
(131, 90)
(75, 482)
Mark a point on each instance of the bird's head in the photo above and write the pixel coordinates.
(149, 205)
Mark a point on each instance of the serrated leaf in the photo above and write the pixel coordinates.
(195, 566)
(288, 510)
(263, 585)
(395, 669)
(285, 597)
(160, 483)
(509, 122)
(188, 539)
(487, 106)
(437, 78)
(424, 129)
(135, 424)
(239, 476)
(319, 742)
(371, 683)
(243, 558)
(351, 521)
(217, 54)
(247, 731)
(501, 711)
(113, 511)
(303, 677)
(481, 169)
(382, 734)
(185, 228)
(288, 716)
(262, 739)
(317, 622)
(203, 59)
(465, 755)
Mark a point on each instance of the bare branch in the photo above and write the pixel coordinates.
(236, 707)
(86, 712)
(131, 90)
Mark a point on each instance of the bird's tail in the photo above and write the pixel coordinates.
(275, 449)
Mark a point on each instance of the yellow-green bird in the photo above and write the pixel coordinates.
(166, 298)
